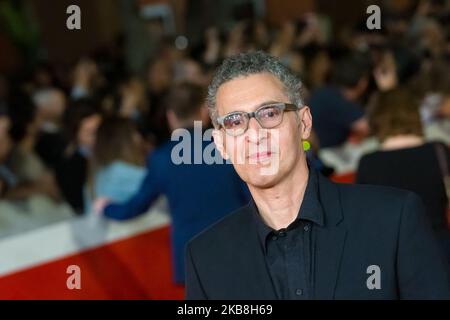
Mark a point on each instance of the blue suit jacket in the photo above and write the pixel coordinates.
(198, 195)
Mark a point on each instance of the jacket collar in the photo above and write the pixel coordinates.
(310, 209)
(329, 242)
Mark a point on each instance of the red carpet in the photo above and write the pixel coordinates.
(135, 268)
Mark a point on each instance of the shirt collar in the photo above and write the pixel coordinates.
(310, 209)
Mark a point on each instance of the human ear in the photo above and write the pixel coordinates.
(306, 122)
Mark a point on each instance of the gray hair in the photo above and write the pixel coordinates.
(246, 64)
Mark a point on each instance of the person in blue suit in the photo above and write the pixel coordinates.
(198, 194)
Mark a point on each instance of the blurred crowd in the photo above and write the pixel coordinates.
(66, 132)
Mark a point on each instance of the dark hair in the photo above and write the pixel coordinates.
(396, 112)
(77, 111)
(249, 63)
(185, 100)
(116, 141)
(350, 70)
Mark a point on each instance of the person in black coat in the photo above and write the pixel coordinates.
(302, 236)
(83, 119)
(405, 160)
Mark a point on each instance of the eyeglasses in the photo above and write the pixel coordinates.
(268, 116)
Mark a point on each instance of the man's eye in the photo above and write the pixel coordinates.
(269, 113)
(233, 121)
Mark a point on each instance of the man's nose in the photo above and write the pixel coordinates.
(255, 132)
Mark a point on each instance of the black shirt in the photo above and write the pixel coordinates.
(289, 252)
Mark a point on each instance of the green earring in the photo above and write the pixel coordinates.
(306, 145)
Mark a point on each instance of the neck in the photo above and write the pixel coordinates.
(280, 204)
(402, 141)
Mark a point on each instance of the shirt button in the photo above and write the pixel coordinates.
(274, 238)
(299, 292)
(306, 228)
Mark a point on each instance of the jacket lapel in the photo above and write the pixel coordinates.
(330, 240)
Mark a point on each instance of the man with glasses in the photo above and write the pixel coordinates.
(302, 236)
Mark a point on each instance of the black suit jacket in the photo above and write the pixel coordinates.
(364, 226)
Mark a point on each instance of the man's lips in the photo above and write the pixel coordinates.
(260, 155)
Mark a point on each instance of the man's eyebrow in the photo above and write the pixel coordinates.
(266, 103)
(258, 106)
(255, 108)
